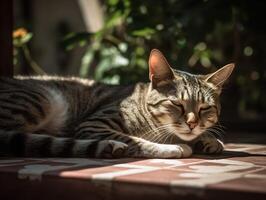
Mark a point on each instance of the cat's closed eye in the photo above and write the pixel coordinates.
(179, 106)
(207, 110)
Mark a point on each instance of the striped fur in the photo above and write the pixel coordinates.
(71, 117)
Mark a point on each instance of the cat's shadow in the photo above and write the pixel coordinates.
(228, 154)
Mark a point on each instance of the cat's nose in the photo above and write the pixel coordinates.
(192, 125)
(191, 120)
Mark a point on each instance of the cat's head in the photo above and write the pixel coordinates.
(181, 103)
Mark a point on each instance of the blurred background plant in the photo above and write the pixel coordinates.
(198, 36)
(20, 39)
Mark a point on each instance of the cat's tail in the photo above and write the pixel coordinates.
(13, 143)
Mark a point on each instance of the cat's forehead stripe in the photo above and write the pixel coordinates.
(193, 88)
(190, 86)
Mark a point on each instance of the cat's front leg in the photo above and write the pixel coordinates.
(146, 149)
(141, 148)
(118, 145)
(207, 144)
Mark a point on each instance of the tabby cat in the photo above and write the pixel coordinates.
(170, 117)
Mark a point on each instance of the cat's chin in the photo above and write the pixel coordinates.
(188, 136)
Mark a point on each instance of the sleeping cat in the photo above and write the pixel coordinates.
(169, 117)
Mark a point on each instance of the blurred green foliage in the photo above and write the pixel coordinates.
(195, 35)
(198, 36)
(21, 38)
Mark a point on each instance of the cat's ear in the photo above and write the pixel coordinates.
(221, 75)
(160, 71)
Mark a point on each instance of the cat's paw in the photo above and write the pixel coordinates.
(111, 149)
(186, 150)
(210, 145)
(175, 151)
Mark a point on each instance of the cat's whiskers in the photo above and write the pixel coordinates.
(216, 131)
(220, 125)
(167, 137)
(220, 129)
(171, 136)
(159, 129)
(154, 138)
(153, 132)
(164, 136)
(160, 136)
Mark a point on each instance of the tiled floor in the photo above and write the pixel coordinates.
(240, 173)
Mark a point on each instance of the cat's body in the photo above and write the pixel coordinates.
(72, 117)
